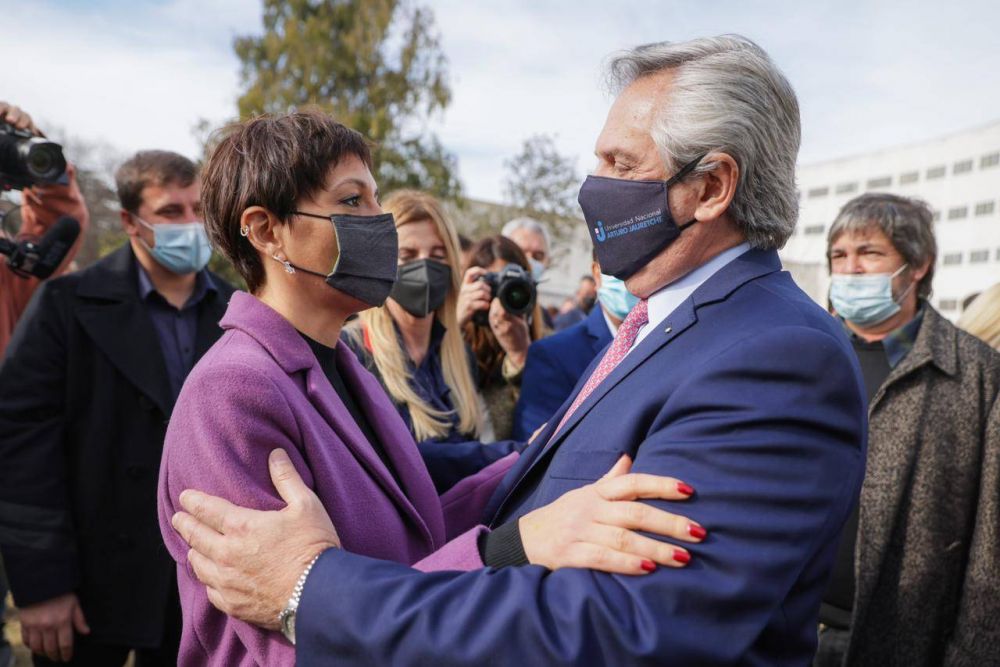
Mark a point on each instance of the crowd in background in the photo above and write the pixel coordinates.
(94, 363)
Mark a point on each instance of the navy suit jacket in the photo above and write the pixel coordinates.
(749, 392)
(555, 364)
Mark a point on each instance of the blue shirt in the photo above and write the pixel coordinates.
(176, 329)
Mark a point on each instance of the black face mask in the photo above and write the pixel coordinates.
(422, 286)
(368, 247)
(630, 221)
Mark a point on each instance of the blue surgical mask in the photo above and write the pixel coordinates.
(537, 269)
(179, 248)
(615, 297)
(865, 299)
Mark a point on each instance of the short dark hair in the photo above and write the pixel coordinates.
(464, 242)
(272, 161)
(147, 168)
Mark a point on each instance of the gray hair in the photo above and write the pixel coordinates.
(907, 223)
(727, 96)
(529, 224)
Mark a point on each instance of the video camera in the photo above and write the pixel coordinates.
(29, 259)
(26, 159)
(514, 287)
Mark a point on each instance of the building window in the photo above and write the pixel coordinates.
(952, 259)
(846, 188)
(813, 230)
(948, 304)
(909, 177)
(985, 208)
(991, 160)
(881, 182)
(958, 212)
(979, 256)
(963, 167)
(935, 172)
(818, 192)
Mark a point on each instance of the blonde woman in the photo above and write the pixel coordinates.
(982, 317)
(413, 343)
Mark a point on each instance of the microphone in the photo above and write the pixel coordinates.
(39, 260)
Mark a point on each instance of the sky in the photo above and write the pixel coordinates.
(141, 73)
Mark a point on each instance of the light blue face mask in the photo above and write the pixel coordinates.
(179, 248)
(865, 299)
(615, 296)
(537, 269)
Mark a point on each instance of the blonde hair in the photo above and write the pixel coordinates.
(982, 317)
(408, 206)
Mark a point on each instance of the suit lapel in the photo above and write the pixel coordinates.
(117, 323)
(416, 497)
(749, 266)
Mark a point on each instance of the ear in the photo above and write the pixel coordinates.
(595, 270)
(919, 272)
(718, 187)
(264, 234)
(129, 224)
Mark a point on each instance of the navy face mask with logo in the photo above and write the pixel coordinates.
(630, 221)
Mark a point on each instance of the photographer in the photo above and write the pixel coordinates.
(500, 344)
(41, 206)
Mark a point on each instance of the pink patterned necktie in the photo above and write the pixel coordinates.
(624, 339)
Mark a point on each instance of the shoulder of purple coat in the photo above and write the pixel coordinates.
(273, 332)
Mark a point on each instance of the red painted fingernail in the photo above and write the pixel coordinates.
(682, 556)
(696, 531)
(648, 565)
(686, 489)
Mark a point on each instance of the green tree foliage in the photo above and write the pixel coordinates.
(543, 184)
(375, 65)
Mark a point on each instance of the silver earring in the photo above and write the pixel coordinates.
(244, 231)
(288, 265)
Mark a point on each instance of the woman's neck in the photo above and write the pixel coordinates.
(415, 331)
(321, 323)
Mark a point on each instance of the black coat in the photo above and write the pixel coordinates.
(84, 403)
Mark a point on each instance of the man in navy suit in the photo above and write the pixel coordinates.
(555, 363)
(724, 375)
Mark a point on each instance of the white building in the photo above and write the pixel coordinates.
(958, 175)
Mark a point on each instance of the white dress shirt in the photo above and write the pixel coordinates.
(663, 302)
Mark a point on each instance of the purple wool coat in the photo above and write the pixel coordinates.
(260, 388)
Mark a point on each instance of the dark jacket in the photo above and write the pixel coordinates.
(554, 365)
(84, 403)
(927, 561)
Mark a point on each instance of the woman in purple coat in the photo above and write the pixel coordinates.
(291, 201)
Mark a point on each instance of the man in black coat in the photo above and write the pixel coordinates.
(86, 389)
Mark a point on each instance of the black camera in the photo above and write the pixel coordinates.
(514, 287)
(26, 159)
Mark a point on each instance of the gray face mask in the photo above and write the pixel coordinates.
(366, 262)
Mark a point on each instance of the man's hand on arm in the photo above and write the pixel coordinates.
(250, 560)
(47, 627)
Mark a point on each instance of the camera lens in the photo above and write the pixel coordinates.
(518, 297)
(44, 160)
